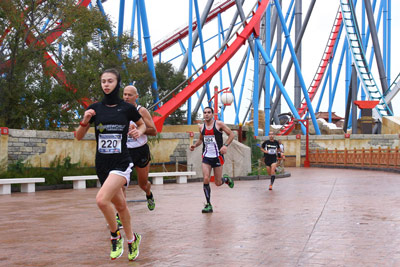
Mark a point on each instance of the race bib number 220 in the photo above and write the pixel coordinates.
(110, 143)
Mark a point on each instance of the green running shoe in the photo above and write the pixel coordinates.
(207, 209)
(151, 204)
(230, 182)
(134, 247)
(119, 221)
(117, 247)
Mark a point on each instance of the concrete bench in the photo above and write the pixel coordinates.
(27, 184)
(79, 182)
(181, 177)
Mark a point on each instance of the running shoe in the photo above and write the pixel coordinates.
(117, 247)
(230, 182)
(119, 221)
(207, 209)
(134, 247)
(151, 204)
(270, 187)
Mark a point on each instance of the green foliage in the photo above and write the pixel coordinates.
(167, 80)
(33, 96)
(256, 152)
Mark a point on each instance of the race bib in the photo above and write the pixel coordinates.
(271, 151)
(209, 139)
(110, 143)
(130, 139)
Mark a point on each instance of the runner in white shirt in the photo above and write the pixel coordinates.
(138, 147)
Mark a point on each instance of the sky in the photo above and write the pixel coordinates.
(166, 17)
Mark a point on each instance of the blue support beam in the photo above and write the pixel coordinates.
(149, 52)
(255, 90)
(189, 101)
(298, 69)
(268, 62)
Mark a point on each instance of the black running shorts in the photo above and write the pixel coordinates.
(140, 155)
(214, 162)
(269, 161)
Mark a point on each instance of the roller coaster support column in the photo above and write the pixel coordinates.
(296, 63)
(121, 17)
(377, 49)
(297, 45)
(149, 52)
(267, 95)
(297, 86)
(268, 62)
(203, 18)
(189, 101)
(304, 123)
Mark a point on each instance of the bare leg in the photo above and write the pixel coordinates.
(120, 204)
(269, 170)
(218, 176)
(143, 174)
(111, 193)
(206, 172)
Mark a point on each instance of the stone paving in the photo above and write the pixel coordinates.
(316, 217)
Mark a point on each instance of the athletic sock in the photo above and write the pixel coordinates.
(272, 179)
(151, 195)
(207, 192)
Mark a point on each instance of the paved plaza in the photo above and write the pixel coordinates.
(315, 217)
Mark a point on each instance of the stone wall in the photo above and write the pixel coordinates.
(237, 159)
(42, 148)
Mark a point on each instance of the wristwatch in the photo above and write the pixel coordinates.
(226, 145)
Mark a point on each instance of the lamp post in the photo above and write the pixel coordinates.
(227, 99)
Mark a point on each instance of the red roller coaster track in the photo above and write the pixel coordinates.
(252, 27)
(184, 31)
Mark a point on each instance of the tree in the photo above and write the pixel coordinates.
(167, 80)
(31, 97)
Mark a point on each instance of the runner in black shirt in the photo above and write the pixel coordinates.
(270, 148)
(111, 119)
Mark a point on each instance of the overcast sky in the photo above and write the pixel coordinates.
(165, 17)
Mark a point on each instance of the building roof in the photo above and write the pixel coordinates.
(325, 116)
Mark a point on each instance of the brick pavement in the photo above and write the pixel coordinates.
(316, 217)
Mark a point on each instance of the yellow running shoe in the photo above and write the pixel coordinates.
(117, 247)
(134, 247)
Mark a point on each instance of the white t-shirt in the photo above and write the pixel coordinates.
(136, 142)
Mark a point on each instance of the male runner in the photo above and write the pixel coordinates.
(270, 148)
(138, 148)
(213, 153)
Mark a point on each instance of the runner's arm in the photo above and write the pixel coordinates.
(84, 124)
(228, 131)
(198, 142)
(150, 127)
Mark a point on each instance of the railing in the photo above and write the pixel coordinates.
(375, 158)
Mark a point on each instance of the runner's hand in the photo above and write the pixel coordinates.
(88, 115)
(134, 133)
(223, 150)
